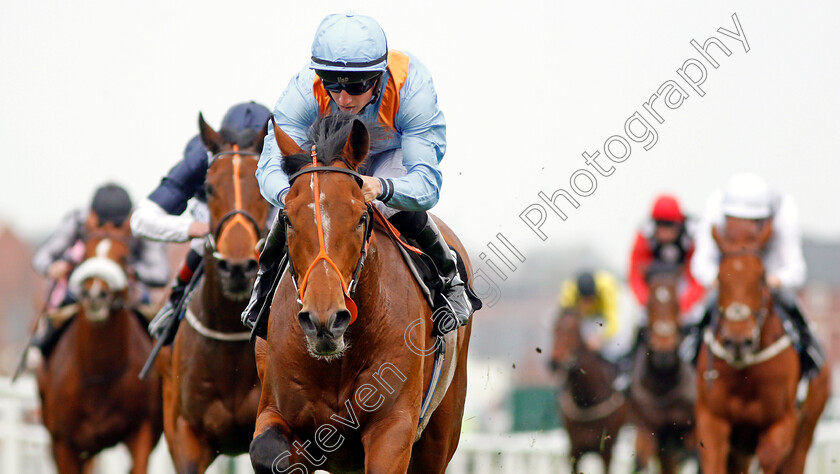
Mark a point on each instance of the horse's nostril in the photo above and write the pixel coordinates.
(340, 321)
(224, 266)
(251, 266)
(307, 324)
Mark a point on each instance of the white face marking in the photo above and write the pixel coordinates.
(737, 312)
(325, 221)
(662, 295)
(103, 247)
(664, 328)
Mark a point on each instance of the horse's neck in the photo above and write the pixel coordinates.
(661, 380)
(773, 328)
(103, 348)
(588, 381)
(219, 312)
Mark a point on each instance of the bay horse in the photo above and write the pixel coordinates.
(748, 369)
(592, 410)
(90, 396)
(336, 396)
(662, 388)
(210, 385)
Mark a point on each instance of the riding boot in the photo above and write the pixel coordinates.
(811, 355)
(48, 337)
(270, 257)
(452, 306)
(161, 321)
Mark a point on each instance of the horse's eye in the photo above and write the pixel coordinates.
(362, 221)
(208, 189)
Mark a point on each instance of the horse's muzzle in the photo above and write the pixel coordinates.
(237, 277)
(739, 347)
(325, 339)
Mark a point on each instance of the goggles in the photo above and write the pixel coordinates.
(353, 85)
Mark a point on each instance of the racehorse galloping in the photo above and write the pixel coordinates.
(748, 370)
(210, 385)
(662, 390)
(90, 395)
(337, 396)
(593, 411)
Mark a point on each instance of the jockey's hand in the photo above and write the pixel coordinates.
(58, 270)
(198, 229)
(371, 188)
(774, 282)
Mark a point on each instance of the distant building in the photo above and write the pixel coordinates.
(821, 297)
(21, 291)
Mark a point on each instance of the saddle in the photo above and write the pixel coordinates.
(423, 269)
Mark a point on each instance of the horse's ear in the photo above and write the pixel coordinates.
(211, 138)
(358, 144)
(765, 234)
(260, 139)
(716, 235)
(286, 144)
(92, 222)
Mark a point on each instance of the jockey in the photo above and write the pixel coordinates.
(666, 238)
(56, 258)
(161, 216)
(747, 196)
(353, 71)
(596, 297)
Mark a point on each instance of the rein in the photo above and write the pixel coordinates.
(347, 288)
(238, 214)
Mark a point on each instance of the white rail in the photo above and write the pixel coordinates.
(24, 447)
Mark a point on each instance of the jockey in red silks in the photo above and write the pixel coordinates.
(668, 238)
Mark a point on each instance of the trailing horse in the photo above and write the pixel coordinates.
(748, 369)
(210, 384)
(90, 396)
(662, 390)
(344, 372)
(592, 410)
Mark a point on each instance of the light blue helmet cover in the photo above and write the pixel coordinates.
(349, 42)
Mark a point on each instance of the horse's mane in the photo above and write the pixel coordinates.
(329, 133)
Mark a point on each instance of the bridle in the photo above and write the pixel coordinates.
(348, 288)
(736, 312)
(238, 214)
(740, 312)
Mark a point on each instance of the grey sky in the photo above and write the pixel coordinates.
(95, 91)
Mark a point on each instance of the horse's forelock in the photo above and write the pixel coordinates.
(243, 138)
(329, 134)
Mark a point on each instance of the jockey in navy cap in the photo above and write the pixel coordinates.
(161, 216)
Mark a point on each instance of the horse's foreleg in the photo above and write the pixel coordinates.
(774, 444)
(712, 440)
(140, 444)
(645, 447)
(270, 450)
(190, 453)
(388, 444)
(808, 418)
(67, 460)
